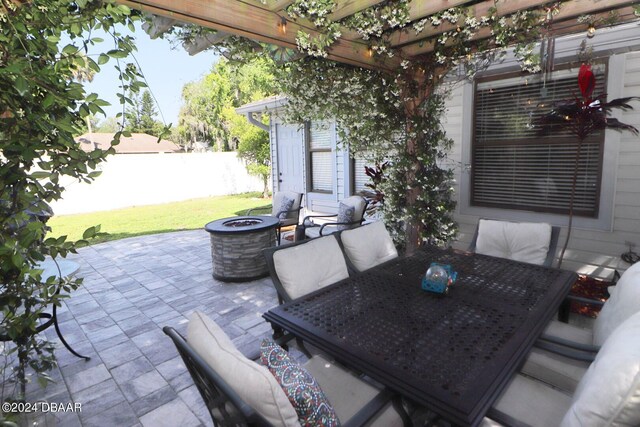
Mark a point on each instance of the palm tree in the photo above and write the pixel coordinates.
(583, 116)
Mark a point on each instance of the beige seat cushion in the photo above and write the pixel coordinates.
(313, 232)
(253, 383)
(305, 268)
(562, 372)
(348, 393)
(519, 241)
(531, 402)
(277, 203)
(622, 304)
(609, 392)
(369, 245)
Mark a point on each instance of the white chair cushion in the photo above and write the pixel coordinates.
(348, 393)
(358, 204)
(519, 241)
(253, 383)
(562, 372)
(278, 202)
(531, 402)
(305, 268)
(609, 393)
(623, 302)
(369, 245)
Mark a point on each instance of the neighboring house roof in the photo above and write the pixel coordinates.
(259, 106)
(137, 143)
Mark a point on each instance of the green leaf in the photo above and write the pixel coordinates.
(40, 175)
(21, 85)
(103, 59)
(89, 233)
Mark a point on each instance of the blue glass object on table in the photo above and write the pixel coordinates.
(438, 278)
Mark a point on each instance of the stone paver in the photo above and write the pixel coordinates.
(132, 288)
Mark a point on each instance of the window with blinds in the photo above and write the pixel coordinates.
(513, 167)
(360, 178)
(321, 159)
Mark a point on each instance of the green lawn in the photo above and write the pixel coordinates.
(140, 220)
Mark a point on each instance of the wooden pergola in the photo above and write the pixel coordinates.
(263, 22)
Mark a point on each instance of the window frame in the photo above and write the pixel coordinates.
(310, 151)
(599, 139)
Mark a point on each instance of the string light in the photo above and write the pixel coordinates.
(591, 31)
(370, 52)
(282, 25)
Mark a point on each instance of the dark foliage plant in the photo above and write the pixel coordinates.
(583, 116)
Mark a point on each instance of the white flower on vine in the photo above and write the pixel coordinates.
(20, 112)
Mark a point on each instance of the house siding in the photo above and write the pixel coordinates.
(590, 251)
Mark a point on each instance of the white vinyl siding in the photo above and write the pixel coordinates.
(513, 166)
(321, 157)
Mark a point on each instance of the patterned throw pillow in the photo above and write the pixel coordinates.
(285, 207)
(345, 214)
(301, 388)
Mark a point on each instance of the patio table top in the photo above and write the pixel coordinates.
(453, 353)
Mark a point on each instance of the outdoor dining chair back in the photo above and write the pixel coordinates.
(305, 266)
(607, 395)
(367, 246)
(350, 215)
(239, 391)
(530, 242)
(564, 351)
(286, 206)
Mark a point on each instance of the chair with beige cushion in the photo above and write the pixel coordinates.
(368, 246)
(607, 395)
(564, 351)
(350, 215)
(240, 392)
(286, 206)
(306, 266)
(530, 242)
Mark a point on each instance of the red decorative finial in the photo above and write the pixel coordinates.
(586, 81)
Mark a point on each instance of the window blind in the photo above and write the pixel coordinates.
(321, 157)
(513, 166)
(360, 178)
(321, 171)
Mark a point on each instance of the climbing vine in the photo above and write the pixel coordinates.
(44, 46)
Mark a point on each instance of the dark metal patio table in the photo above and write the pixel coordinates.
(453, 354)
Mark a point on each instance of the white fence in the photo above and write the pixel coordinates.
(147, 179)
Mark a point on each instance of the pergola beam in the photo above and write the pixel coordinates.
(568, 12)
(346, 8)
(255, 23)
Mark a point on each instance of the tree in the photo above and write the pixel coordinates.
(42, 106)
(253, 147)
(208, 113)
(140, 116)
(148, 123)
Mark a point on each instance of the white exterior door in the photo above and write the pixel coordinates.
(290, 141)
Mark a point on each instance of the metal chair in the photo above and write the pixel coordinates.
(564, 351)
(607, 394)
(313, 229)
(496, 234)
(305, 266)
(367, 246)
(223, 399)
(288, 216)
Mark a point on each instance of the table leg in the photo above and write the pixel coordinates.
(64, 342)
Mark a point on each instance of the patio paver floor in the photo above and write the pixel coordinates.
(132, 289)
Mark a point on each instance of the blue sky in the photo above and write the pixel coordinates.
(165, 69)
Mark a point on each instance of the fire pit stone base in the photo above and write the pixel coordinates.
(237, 244)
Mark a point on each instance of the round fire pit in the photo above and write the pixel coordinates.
(237, 244)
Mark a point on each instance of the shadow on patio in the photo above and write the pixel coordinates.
(132, 288)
